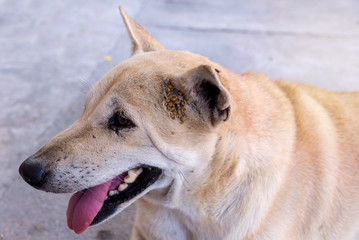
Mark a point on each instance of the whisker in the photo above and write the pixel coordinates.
(184, 180)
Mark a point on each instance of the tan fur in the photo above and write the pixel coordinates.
(284, 165)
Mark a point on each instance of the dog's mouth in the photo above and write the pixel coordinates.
(93, 205)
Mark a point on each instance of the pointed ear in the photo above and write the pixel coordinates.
(141, 40)
(211, 98)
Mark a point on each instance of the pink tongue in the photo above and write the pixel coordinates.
(84, 206)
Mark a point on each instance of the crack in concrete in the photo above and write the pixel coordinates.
(254, 32)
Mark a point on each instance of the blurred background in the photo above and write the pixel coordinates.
(52, 51)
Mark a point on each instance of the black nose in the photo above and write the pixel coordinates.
(33, 173)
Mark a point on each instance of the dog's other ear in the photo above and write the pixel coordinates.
(212, 99)
(141, 40)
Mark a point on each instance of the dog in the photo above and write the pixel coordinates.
(206, 153)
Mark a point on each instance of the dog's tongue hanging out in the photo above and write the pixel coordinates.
(84, 206)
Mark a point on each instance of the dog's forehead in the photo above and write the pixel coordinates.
(142, 75)
(162, 62)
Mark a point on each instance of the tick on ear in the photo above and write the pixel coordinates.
(175, 101)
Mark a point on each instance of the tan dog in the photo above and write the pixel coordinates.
(207, 154)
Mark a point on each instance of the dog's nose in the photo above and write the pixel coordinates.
(33, 173)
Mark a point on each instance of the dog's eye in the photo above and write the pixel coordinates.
(119, 121)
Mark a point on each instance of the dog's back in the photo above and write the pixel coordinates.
(321, 191)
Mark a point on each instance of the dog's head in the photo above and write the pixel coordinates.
(147, 121)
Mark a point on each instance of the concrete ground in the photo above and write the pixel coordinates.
(51, 51)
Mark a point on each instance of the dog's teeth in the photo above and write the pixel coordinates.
(139, 171)
(130, 178)
(112, 193)
(132, 172)
(131, 175)
(122, 187)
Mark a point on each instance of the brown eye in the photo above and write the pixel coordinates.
(123, 121)
(119, 121)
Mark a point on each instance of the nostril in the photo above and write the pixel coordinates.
(33, 173)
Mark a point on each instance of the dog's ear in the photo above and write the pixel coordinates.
(211, 98)
(141, 40)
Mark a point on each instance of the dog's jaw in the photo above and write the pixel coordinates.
(93, 205)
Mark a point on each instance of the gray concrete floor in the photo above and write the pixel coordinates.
(51, 51)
